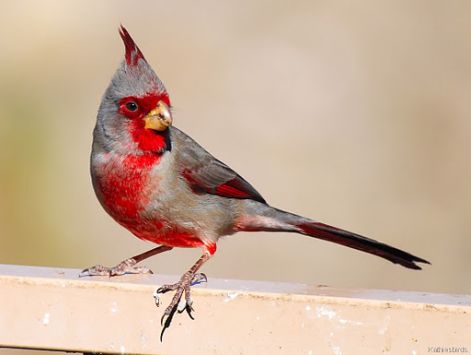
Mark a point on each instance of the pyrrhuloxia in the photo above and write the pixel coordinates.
(164, 187)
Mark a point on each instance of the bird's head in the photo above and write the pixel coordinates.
(135, 110)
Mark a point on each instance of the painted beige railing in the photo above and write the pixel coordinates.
(51, 308)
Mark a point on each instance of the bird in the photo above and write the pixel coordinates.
(162, 186)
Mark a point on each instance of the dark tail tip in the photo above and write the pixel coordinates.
(356, 241)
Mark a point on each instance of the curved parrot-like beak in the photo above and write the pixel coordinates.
(160, 118)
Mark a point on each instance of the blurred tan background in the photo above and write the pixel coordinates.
(357, 115)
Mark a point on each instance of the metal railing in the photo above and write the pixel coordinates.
(54, 309)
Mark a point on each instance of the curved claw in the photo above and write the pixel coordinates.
(199, 279)
(83, 273)
(189, 309)
(97, 270)
(165, 288)
(166, 324)
(156, 298)
(162, 319)
(169, 312)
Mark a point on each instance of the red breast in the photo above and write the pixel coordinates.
(121, 183)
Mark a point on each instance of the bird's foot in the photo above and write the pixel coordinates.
(127, 266)
(183, 286)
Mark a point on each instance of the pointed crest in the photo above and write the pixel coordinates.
(133, 53)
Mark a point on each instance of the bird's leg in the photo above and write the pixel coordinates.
(126, 266)
(188, 279)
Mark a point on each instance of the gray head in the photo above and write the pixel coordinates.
(135, 109)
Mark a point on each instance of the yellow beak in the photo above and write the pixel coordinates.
(160, 118)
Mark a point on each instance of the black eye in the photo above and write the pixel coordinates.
(131, 106)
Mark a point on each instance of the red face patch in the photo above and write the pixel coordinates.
(135, 109)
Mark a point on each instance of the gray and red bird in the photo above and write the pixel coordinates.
(162, 186)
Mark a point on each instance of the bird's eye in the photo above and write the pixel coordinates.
(131, 106)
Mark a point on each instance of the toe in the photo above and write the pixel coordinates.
(97, 270)
(156, 298)
(199, 279)
(181, 306)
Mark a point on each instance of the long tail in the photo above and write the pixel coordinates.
(262, 217)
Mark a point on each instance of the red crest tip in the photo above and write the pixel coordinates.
(133, 53)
